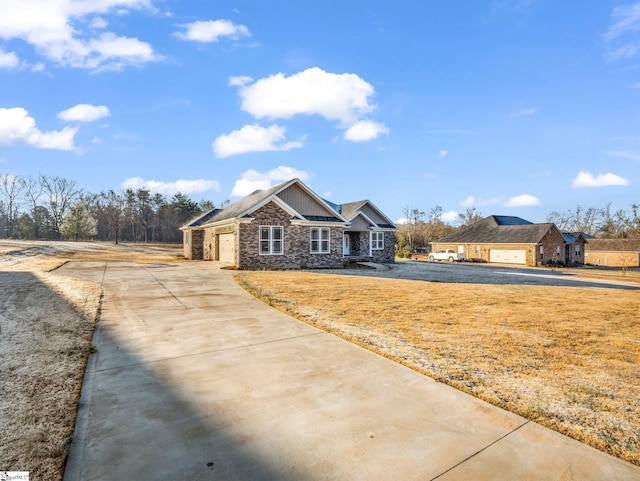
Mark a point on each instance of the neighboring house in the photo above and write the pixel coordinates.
(613, 252)
(507, 239)
(575, 248)
(290, 227)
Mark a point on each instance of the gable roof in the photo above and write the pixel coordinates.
(573, 237)
(499, 229)
(244, 207)
(351, 210)
(202, 218)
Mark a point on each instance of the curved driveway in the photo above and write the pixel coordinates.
(194, 379)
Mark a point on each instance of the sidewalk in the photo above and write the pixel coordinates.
(194, 379)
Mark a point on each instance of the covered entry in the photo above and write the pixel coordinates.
(508, 256)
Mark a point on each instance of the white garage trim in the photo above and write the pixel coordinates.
(508, 256)
(226, 248)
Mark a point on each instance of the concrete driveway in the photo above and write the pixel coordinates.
(194, 379)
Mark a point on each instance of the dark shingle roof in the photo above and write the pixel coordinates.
(510, 220)
(322, 218)
(632, 245)
(238, 208)
(499, 230)
(202, 218)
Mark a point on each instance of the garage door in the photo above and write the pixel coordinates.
(226, 248)
(508, 256)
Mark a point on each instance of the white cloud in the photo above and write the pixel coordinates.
(442, 154)
(239, 81)
(341, 97)
(524, 200)
(253, 138)
(473, 201)
(402, 221)
(252, 180)
(84, 113)
(171, 188)
(587, 179)
(621, 38)
(61, 31)
(626, 19)
(8, 60)
(365, 130)
(17, 126)
(450, 216)
(211, 31)
(622, 154)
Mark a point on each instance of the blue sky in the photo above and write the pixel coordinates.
(514, 107)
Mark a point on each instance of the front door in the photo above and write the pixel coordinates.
(346, 245)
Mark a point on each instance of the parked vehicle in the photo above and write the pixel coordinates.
(447, 255)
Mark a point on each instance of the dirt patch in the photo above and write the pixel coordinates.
(566, 357)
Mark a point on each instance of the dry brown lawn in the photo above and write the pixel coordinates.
(567, 358)
(46, 326)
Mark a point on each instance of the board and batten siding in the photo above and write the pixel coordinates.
(303, 203)
(373, 215)
(358, 224)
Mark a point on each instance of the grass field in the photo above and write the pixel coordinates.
(567, 358)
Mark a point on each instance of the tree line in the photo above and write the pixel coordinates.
(55, 208)
(422, 228)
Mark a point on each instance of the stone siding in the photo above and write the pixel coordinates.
(296, 243)
(388, 253)
(192, 244)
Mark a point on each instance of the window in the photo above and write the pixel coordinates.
(377, 241)
(319, 240)
(270, 240)
(542, 253)
(577, 251)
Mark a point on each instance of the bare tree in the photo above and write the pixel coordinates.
(33, 192)
(60, 193)
(110, 207)
(634, 220)
(10, 190)
(469, 216)
(613, 225)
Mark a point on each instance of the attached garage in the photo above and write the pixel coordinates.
(226, 251)
(508, 256)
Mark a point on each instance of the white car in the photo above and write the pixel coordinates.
(447, 255)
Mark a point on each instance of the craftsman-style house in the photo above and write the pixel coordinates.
(290, 227)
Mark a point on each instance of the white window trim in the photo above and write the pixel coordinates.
(320, 240)
(379, 242)
(271, 240)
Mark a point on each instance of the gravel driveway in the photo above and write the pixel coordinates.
(484, 274)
